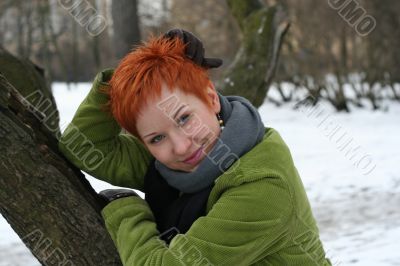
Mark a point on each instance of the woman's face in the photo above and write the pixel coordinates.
(179, 129)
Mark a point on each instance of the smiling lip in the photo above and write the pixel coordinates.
(194, 158)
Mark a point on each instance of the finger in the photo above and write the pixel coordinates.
(199, 54)
(187, 36)
(174, 33)
(212, 62)
(191, 44)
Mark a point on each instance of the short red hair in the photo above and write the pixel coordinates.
(140, 74)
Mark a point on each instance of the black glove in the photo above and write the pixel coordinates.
(108, 195)
(194, 48)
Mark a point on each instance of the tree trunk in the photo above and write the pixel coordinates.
(263, 29)
(125, 26)
(46, 200)
(28, 79)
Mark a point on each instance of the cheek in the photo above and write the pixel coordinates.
(160, 153)
(209, 128)
(212, 123)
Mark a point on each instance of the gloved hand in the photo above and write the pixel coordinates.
(194, 48)
(108, 195)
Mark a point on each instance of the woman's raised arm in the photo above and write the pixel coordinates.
(93, 141)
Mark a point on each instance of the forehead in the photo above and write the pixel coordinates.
(168, 101)
(158, 112)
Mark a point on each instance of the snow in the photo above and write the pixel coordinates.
(354, 191)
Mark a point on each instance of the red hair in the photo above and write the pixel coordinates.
(141, 73)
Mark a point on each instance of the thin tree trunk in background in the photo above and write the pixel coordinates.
(20, 29)
(75, 58)
(96, 44)
(43, 11)
(96, 53)
(263, 29)
(58, 51)
(125, 26)
(29, 30)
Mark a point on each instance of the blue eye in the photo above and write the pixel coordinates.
(183, 119)
(156, 139)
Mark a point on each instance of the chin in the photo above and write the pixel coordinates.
(180, 168)
(183, 167)
(188, 169)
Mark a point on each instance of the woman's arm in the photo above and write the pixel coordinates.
(242, 227)
(94, 143)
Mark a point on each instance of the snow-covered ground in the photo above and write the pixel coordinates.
(349, 164)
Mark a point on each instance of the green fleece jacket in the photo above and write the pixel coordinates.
(258, 214)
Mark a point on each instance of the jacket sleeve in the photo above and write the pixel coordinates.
(244, 225)
(93, 142)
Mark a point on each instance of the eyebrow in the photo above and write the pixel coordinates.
(177, 111)
(173, 117)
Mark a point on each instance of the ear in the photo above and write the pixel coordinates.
(213, 97)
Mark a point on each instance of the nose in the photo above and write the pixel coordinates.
(180, 143)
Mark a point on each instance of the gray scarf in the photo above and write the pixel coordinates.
(243, 130)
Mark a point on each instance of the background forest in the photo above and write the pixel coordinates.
(324, 74)
(324, 52)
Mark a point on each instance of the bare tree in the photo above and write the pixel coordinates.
(263, 28)
(46, 200)
(125, 26)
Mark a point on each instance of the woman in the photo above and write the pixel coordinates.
(221, 189)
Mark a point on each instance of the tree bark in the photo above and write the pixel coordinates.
(263, 29)
(46, 200)
(28, 79)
